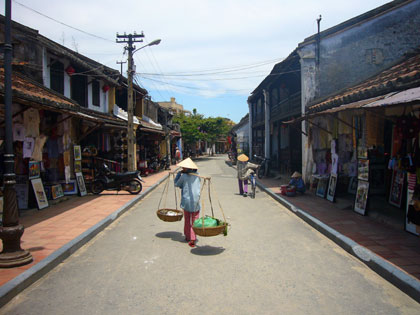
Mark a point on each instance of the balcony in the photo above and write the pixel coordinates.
(287, 107)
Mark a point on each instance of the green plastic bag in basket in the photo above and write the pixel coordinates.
(208, 222)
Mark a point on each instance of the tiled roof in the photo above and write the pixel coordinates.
(401, 76)
(32, 93)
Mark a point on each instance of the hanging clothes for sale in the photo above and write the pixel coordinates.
(28, 147)
(18, 132)
(344, 126)
(39, 145)
(31, 122)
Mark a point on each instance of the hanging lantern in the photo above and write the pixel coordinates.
(70, 70)
(105, 88)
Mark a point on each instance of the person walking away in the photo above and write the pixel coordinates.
(190, 196)
(243, 166)
(298, 182)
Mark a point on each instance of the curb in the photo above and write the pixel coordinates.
(12, 288)
(398, 277)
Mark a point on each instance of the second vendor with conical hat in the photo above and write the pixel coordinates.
(298, 182)
(243, 166)
(190, 197)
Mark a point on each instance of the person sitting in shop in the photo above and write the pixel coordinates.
(297, 181)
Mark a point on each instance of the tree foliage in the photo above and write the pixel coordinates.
(196, 127)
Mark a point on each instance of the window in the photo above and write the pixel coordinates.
(57, 76)
(79, 88)
(95, 93)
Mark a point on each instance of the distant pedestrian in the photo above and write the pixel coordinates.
(177, 155)
(190, 197)
(243, 166)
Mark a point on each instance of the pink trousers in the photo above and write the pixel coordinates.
(189, 218)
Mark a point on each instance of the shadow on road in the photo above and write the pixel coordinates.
(175, 236)
(207, 250)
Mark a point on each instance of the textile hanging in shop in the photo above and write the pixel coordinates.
(18, 132)
(342, 127)
(28, 147)
(67, 173)
(396, 141)
(31, 122)
(39, 145)
(66, 158)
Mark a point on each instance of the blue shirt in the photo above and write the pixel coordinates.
(298, 183)
(190, 191)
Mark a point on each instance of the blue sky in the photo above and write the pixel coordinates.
(213, 52)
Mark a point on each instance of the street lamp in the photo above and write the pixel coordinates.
(130, 126)
(10, 231)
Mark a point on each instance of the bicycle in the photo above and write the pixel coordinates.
(253, 181)
(263, 169)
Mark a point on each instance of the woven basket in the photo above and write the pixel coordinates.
(209, 231)
(161, 213)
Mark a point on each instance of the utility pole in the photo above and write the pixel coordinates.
(129, 40)
(121, 63)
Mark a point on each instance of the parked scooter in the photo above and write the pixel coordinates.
(165, 163)
(108, 180)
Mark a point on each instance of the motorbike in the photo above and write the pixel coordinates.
(165, 163)
(108, 180)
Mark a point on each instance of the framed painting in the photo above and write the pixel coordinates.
(34, 169)
(331, 187)
(362, 193)
(77, 166)
(413, 204)
(397, 186)
(69, 188)
(77, 152)
(57, 191)
(321, 188)
(362, 152)
(363, 169)
(81, 183)
(41, 197)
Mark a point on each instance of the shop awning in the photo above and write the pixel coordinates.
(407, 97)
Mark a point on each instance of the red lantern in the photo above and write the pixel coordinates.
(70, 70)
(105, 88)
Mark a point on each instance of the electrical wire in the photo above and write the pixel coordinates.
(62, 23)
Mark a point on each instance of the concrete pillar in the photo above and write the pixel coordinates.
(266, 125)
(250, 129)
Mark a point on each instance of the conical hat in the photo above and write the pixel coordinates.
(243, 158)
(296, 174)
(188, 163)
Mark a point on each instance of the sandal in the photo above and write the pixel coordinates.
(191, 243)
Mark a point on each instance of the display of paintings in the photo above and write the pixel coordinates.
(22, 193)
(412, 205)
(360, 203)
(41, 197)
(77, 152)
(362, 152)
(77, 166)
(321, 189)
(81, 184)
(396, 190)
(363, 170)
(34, 169)
(57, 191)
(331, 187)
(69, 188)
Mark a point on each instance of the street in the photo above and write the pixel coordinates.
(271, 262)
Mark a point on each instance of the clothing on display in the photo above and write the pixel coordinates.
(31, 122)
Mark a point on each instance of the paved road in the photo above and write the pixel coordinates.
(270, 263)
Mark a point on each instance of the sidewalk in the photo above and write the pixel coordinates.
(64, 227)
(393, 253)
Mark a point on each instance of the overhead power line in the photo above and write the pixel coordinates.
(62, 23)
